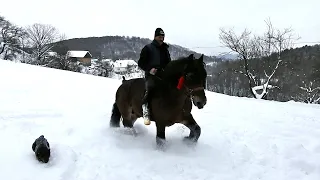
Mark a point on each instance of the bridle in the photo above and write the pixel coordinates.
(190, 91)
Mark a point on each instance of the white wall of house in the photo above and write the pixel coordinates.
(120, 66)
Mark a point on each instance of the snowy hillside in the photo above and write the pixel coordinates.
(241, 138)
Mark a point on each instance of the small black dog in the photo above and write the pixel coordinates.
(41, 148)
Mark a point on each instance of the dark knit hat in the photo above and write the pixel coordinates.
(158, 32)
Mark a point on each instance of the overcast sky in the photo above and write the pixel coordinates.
(187, 23)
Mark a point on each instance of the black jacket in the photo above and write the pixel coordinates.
(154, 56)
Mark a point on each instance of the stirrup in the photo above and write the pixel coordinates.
(145, 115)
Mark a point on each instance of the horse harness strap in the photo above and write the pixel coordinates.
(191, 90)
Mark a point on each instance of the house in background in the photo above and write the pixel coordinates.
(51, 54)
(84, 57)
(123, 66)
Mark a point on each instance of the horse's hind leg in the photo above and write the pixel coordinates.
(127, 117)
(127, 123)
(195, 130)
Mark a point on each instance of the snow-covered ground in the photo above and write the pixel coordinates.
(241, 138)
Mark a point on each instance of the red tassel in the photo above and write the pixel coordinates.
(181, 82)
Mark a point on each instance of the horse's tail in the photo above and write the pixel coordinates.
(115, 116)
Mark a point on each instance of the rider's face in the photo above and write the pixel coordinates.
(160, 39)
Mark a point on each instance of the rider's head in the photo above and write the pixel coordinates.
(159, 35)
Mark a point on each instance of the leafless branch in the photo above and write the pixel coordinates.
(257, 47)
(41, 38)
(311, 94)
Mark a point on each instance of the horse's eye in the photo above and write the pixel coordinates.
(189, 76)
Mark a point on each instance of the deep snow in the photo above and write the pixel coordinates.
(241, 138)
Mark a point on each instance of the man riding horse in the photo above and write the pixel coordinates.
(153, 59)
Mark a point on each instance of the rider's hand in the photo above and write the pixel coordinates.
(153, 71)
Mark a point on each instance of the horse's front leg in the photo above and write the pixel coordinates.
(161, 135)
(195, 130)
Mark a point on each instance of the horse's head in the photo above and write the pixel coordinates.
(195, 76)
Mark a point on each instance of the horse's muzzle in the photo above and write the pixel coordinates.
(199, 105)
(200, 102)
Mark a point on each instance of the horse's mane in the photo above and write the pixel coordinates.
(173, 71)
(176, 67)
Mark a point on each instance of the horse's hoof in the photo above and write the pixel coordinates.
(161, 144)
(134, 132)
(190, 141)
(187, 138)
(114, 125)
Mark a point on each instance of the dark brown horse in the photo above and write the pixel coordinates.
(169, 105)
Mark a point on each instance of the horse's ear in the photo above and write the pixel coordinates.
(185, 67)
(191, 56)
(201, 58)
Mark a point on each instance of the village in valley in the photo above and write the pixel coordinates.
(112, 68)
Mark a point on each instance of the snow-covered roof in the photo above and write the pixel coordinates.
(78, 54)
(106, 60)
(124, 63)
(51, 53)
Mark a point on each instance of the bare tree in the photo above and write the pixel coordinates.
(2, 43)
(10, 39)
(311, 93)
(256, 48)
(42, 38)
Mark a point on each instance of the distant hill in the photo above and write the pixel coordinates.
(227, 56)
(121, 47)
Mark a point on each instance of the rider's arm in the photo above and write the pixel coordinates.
(143, 60)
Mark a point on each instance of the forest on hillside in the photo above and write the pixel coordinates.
(297, 77)
(123, 47)
(268, 67)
